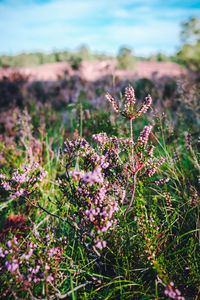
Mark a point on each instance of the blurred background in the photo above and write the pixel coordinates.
(61, 52)
(35, 32)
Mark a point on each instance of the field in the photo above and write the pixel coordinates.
(94, 70)
(99, 182)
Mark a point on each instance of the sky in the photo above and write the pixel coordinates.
(145, 26)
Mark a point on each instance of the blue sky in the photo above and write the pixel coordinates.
(146, 26)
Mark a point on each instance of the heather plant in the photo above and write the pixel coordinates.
(129, 111)
(23, 183)
(189, 100)
(97, 181)
(31, 267)
(124, 203)
(100, 185)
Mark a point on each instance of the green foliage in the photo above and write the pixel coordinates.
(145, 86)
(101, 122)
(170, 89)
(190, 31)
(75, 62)
(40, 58)
(189, 55)
(125, 59)
(84, 53)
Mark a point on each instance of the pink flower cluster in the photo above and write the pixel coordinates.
(188, 138)
(113, 102)
(194, 198)
(97, 191)
(29, 262)
(130, 95)
(151, 151)
(22, 176)
(146, 105)
(172, 292)
(130, 101)
(101, 138)
(162, 181)
(147, 227)
(23, 182)
(90, 177)
(80, 147)
(99, 208)
(128, 111)
(152, 167)
(144, 135)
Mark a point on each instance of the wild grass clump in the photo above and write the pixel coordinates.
(111, 216)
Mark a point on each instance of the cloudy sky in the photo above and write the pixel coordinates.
(146, 26)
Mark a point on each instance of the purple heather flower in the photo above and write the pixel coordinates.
(162, 181)
(47, 267)
(113, 102)
(6, 186)
(50, 278)
(20, 178)
(94, 177)
(130, 95)
(1, 252)
(12, 267)
(42, 175)
(53, 251)
(9, 243)
(101, 244)
(144, 135)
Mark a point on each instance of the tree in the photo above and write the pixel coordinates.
(189, 54)
(84, 53)
(125, 59)
(190, 33)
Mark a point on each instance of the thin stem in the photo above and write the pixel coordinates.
(131, 128)
(60, 296)
(74, 225)
(81, 120)
(133, 195)
(131, 131)
(54, 215)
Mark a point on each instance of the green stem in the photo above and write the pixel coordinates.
(133, 194)
(131, 128)
(81, 120)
